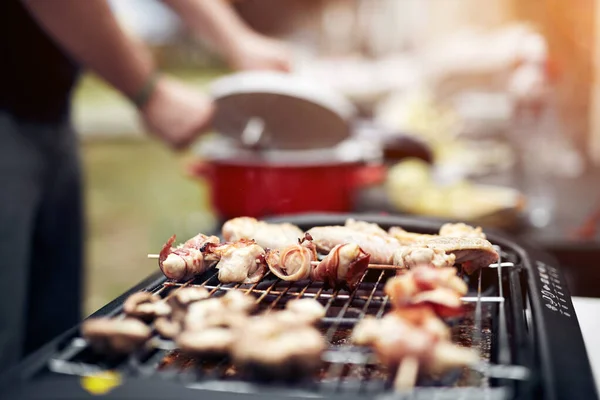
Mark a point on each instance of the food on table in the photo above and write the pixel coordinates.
(266, 235)
(115, 336)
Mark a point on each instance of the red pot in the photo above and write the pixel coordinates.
(261, 189)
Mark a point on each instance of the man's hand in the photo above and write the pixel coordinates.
(257, 52)
(176, 113)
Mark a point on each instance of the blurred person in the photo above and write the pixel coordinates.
(43, 45)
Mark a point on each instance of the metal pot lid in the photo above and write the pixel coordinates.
(273, 110)
(224, 149)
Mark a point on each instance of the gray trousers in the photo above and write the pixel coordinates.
(41, 234)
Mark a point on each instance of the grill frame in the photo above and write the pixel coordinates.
(529, 350)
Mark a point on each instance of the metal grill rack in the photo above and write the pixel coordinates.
(489, 325)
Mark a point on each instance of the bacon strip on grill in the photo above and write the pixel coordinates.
(186, 261)
(395, 338)
(344, 265)
(266, 235)
(293, 263)
(438, 288)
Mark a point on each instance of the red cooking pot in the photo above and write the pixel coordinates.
(267, 183)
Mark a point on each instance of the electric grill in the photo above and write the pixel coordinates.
(520, 318)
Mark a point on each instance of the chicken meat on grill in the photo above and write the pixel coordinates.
(188, 260)
(439, 288)
(239, 262)
(449, 229)
(266, 235)
(343, 266)
(421, 255)
(470, 252)
(380, 247)
(395, 337)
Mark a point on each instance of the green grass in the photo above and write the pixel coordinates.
(137, 196)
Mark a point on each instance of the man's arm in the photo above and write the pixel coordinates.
(89, 33)
(219, 25)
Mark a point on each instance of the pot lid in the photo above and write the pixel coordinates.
(280, 111)
(225, 149)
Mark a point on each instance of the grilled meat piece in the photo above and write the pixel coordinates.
(183, 263)
(381, 248)
(304, 311)
(292, 263)
(171, 325)
(461, 230)
(408, 238)
(397, 336)
(210, 342)
(226, 311)
(239, 262)
(365, 227)
(267, 236)
(344, 265)
(439, 288)
(267, 349)
(115, 336)
(199, 241)
(471, 253)
(145, 306)
(448, 229)
(420, 255)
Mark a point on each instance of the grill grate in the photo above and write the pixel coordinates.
(346, 368)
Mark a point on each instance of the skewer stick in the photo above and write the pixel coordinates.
(406, 376)
(371, 266)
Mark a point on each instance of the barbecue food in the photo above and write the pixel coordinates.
(226, 311)
(395, 337)
(214, 342)
(145, 306)
(239, 262)
(408, 238)
(199, 241)
(267, 349)
(293, 263)
(115, 336)
(472, 253)
(267, 236)
(366, 227)
(421, 255)
(169, 326)
(438, 288)
(183, 263)
(303, 311)
(462, 230)
(380, 247)
(344, 265)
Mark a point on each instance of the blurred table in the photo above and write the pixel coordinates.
(575, 201)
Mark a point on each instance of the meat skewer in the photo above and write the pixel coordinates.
(266, 235)
(185, 261)
(239, 262)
